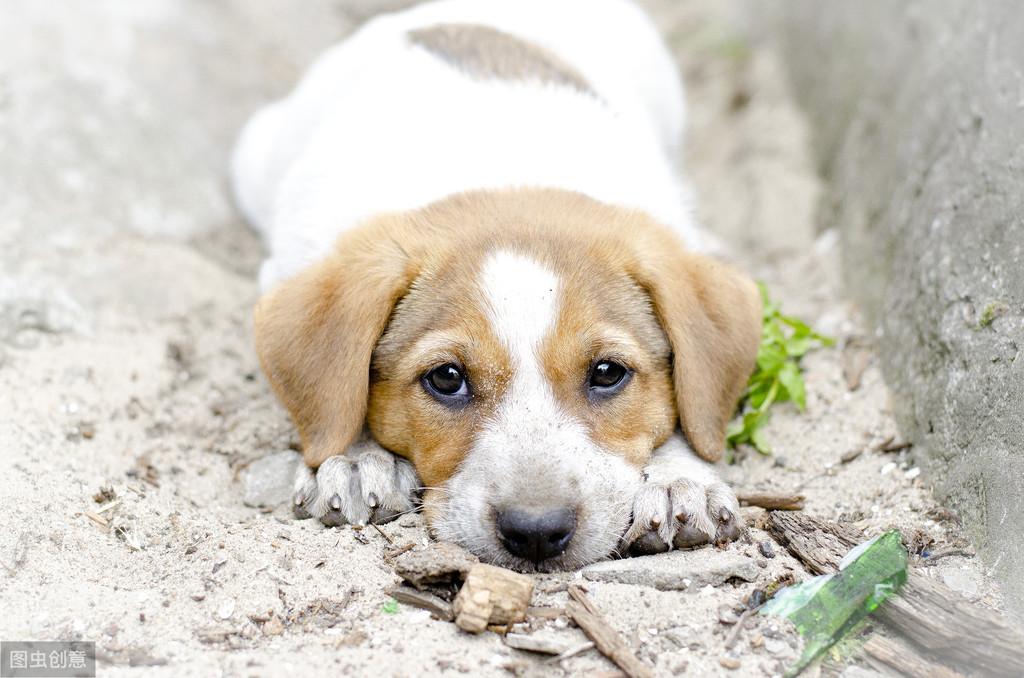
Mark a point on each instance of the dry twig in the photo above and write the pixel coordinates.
(609, 641)
(776, 502)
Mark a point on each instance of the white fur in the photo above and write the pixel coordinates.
(380, 124)
(677, 482)
(532, 455)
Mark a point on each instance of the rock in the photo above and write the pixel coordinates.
(438, 564)
(273, 627)
(267, 482)
(676, 570)
(923, 185)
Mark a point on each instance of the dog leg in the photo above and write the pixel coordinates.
(367, 484)
(682, 504)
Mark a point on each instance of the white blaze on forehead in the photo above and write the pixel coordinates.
(533, 455)
(522, 297)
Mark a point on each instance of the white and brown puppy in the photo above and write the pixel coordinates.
(483, 283)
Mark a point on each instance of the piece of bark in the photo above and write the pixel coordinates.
(775, 502)
(438, 564)
(609, 641)
(819, 544)
(492, 595)
(943, 623)
(437, 606)
(890, 654)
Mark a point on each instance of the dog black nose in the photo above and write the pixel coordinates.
(536, 536)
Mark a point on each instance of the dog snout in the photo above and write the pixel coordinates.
(536, 535)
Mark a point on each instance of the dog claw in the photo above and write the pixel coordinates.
(688, 537)
(335, 502)
(728, 530)
(648, 544)
(372, 501)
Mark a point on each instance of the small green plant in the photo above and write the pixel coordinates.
(390, 607)
(777, 377)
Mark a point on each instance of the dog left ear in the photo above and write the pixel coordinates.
(315, 334)
(712, 316)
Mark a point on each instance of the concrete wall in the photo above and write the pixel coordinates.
(918, 109)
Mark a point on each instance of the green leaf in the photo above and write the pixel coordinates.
(777, 377)
(771, 358)
(793, 381)
(760, 442)
(390, 607)
(797, 346)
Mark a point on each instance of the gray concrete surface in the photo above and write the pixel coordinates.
(918, 114)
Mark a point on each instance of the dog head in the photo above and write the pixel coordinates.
(526, 350)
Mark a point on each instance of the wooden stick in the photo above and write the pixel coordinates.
(738, 627)
(776, 502)
(935, 617)
(96, 518)
(572, 652)
(609, 641)
(889, 654)
(437, 606)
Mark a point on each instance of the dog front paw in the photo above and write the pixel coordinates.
(682, 514)
(367, 484)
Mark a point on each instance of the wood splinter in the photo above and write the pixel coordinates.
(609, 641)
(772, 502)
(492, 596)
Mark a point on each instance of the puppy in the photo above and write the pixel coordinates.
(484, 289)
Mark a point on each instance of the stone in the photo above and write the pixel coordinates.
(267, 482)
(676, 570)
(439, 564)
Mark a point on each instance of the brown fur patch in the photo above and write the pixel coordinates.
(403, 289)
(483, 52)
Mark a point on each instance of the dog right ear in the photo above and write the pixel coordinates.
(315, 334)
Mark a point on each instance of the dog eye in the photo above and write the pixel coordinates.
(447, 384)
(608, 377)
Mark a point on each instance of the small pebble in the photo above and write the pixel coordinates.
(730, 663)
(912, 473)
(226, 609)
(726, 615)
(766, 549)
(273, 627)
(888, 468)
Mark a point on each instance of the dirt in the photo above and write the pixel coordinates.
(132, 400)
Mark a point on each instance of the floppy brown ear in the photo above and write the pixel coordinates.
(315, 334)
(712, 316)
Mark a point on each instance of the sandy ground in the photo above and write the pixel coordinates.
(126, 282)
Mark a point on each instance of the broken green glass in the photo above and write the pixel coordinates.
(826, 607)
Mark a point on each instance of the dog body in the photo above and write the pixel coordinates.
(477, 284)
(412, 109)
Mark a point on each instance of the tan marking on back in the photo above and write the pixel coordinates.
(486, 53)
